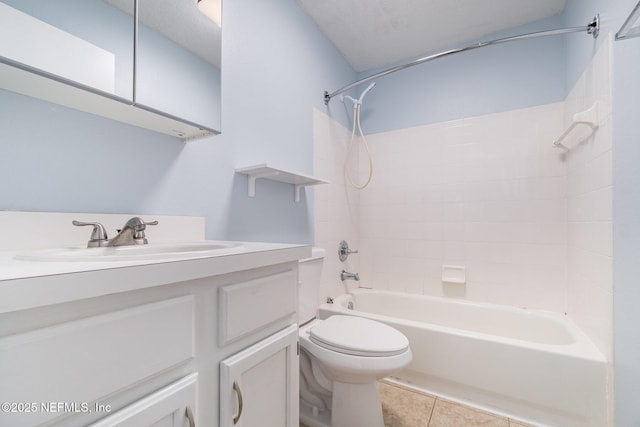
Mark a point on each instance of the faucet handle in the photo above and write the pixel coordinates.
(143, 225)
(138, 231)
(138, 223)
(98, 234)
(344, 251)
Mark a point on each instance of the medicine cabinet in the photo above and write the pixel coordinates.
(160, 72)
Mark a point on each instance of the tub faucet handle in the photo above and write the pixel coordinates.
(344, 251)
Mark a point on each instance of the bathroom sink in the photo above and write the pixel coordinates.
(159, 251)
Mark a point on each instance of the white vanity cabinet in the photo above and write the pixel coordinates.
(154, 354)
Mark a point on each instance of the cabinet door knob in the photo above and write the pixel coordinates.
(189, 414)
(236, 387)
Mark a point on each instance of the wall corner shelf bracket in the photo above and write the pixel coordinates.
(275, 174)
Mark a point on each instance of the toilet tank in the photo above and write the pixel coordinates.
(309, 276)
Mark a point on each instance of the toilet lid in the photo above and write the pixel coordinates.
(358, 336)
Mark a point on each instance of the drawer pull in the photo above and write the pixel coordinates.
(189, 414)
(236, 387)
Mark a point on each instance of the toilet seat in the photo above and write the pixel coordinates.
(358, 336)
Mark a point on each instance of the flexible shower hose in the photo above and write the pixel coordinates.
(356, 120)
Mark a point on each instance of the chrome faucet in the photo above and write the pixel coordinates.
(131, 234)
(345, 275)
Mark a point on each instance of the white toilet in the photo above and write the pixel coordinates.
(341, 358)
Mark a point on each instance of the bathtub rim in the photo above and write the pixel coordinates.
(582, 347)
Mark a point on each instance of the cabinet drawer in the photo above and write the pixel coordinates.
(84, 360)
(244, 308)
(171, 406)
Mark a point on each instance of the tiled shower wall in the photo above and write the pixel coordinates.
(486, 193)
(336, 205)
(530, 224)
(590, 205)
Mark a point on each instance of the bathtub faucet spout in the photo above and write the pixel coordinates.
(345, 275)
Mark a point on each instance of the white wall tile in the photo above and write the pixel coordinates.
(589, 207)
(336, 207)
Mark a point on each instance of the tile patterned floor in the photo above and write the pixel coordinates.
(404, 407)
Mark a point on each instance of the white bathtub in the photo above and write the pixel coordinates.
(532, 365)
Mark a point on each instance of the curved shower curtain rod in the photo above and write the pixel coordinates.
(592, 28)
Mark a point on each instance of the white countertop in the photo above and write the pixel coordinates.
(28, 284)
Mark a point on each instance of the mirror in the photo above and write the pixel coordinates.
(178, 59)
(89, 48)
(178, 64)
(172, 75)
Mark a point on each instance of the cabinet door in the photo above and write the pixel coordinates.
(84, 43)
(172, 406)
(259, 385)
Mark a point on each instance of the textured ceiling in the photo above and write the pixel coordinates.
(375, 33)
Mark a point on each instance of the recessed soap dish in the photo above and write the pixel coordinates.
(456, 274)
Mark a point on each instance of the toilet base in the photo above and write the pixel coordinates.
(313, 418)
(352, 405)
(356, 405)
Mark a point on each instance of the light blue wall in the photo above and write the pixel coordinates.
(626, 229)
(276, 65)
(580, 12)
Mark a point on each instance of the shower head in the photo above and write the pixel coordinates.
(357, 102)
(365, 92)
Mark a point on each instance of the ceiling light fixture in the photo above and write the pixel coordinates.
(212, 9)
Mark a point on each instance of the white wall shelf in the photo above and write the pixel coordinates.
(268, 172)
